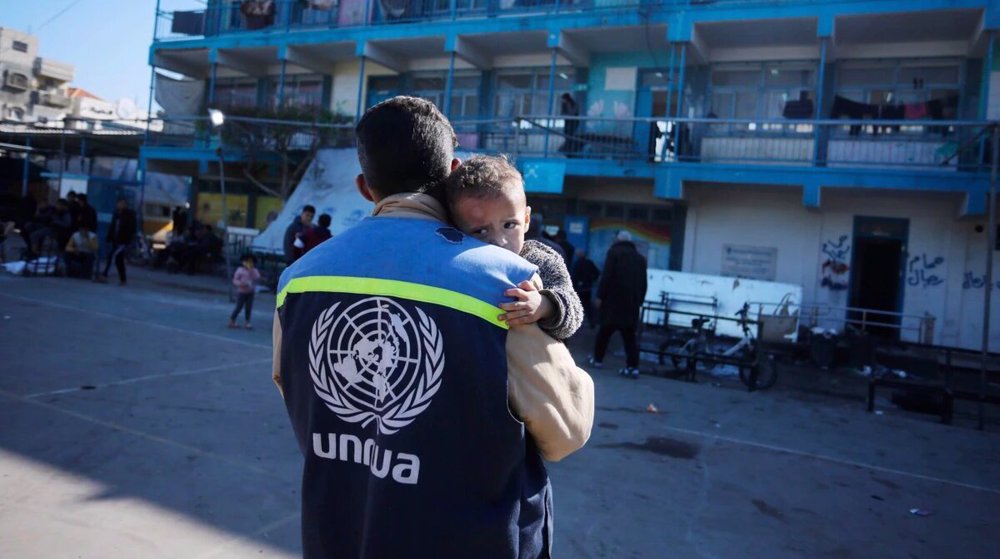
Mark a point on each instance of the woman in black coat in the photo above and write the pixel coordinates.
(619, 299)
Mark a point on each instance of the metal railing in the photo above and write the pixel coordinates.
(931, 145)
(196, 132)
(234, 16)
(907, 327)
(915, 144)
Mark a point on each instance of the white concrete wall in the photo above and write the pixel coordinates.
(945, 262)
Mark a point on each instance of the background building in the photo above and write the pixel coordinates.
(33, 88)
(836, 145)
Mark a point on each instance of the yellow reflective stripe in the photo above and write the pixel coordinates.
(394, 288)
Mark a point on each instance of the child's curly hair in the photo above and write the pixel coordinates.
(482, 176)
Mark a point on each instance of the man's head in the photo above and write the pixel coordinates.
(405, 144)
(82, 198)
(71, 196)
(325, 220)
(62, 205)
(121, 204)
(308, 212)
(486, 198)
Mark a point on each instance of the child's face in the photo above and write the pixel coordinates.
(500, 220)
(248, 264)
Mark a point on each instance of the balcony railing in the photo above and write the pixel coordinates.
(945, 146)
(283, 15)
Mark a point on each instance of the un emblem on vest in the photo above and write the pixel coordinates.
(375, 361)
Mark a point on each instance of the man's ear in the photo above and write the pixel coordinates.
(359, 181)
(455, 162)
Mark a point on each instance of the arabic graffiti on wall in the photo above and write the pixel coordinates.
(835, 267)
(973, 280)
(921, 271)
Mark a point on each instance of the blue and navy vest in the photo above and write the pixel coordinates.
(394, 370)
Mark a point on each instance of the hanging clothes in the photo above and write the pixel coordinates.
(844, 107)
(915, 111)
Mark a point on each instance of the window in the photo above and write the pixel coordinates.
(761, 91)
(20, 46)
(526, 92)
(235, 92)
(464, 92)
(301, 90)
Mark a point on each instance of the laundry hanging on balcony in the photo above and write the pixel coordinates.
(935, 109)
(801, 108)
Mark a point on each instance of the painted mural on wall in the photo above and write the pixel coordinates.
(652, 241)
(921, 271)
(835, 268)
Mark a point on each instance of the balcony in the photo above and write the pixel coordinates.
(54, 99)
(58, 71)
(938, 147)
(283, 15)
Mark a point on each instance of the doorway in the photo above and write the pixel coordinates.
(877, 266)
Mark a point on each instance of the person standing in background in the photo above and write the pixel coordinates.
(619, 299)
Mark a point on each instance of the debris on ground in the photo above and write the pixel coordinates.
(652, 409)
(920, 512)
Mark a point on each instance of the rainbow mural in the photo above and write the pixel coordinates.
(652, 240)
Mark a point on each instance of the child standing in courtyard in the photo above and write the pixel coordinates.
(245, 279)
(486, 200)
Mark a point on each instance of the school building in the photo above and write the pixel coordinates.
(839, 145)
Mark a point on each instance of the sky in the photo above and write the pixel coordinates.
(106, 40)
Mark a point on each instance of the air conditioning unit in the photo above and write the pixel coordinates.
(16, 80)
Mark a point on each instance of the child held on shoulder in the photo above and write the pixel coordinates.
(245, 279)
(486, 200)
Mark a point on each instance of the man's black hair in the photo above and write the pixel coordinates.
(405, 144)
(308, 208)
(324, 220)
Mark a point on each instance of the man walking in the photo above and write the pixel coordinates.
(619, 299)
(121, 233)
(397, 374)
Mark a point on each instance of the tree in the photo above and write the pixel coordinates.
(279, 143)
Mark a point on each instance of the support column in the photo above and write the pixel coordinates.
(984, 94)
(680, 102)
(552, 98)
(27, 165)
(281, 83)
(448, 85)
(361, 89)
(211, 83)
(670, 92)
(818, 136)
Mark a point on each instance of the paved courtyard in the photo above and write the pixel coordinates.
(133, 423)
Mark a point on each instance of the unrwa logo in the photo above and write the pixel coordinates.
(373, 362)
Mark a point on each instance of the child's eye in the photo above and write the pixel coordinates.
(511, 224)
(478, 233)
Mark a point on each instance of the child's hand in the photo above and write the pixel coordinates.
(530, 306)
